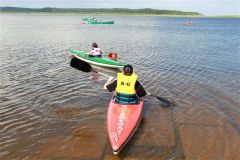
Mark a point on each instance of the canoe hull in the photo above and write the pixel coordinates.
(122, 122)
(98, 22)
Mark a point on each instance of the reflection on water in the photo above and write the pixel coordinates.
(51, 111)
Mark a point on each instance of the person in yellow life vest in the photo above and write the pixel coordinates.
(128, 88)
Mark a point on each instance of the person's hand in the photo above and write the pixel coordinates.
(104, 89)
(110, 79)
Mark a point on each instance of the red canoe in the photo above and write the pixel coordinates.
(122, 121)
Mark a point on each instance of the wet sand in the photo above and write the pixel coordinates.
(193, 129)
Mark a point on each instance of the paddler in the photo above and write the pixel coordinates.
(128, 88)
(96, 51)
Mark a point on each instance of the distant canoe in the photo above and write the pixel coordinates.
(187, 22)
(87, 19)
(101, 22)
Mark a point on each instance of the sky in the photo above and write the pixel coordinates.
(206, 7)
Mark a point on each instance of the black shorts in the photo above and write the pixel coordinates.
(100, 56)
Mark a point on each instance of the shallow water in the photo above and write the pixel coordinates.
(52, 111)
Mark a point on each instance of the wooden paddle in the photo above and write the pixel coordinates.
(86, 67)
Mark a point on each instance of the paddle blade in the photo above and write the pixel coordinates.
(110, 55)
(113, 56)
(80, 65)
(166, 103)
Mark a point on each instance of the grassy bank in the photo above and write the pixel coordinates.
(123, 14)
(107, 12)
(98, 14)
(97, 11)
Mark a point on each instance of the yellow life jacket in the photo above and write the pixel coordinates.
(126, 84)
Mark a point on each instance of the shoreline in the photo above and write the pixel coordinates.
(106, 14)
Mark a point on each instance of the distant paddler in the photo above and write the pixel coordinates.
(188, 22)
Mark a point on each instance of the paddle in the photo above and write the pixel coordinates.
(113, 56)
(86, 67)
(166, 102)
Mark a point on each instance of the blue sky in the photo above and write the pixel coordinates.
(206, 7)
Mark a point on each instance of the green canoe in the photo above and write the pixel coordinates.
(101, 22)
(104, 62)
(87, 19)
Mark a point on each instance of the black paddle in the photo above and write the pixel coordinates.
(166, 103)
(83, 66)
(80, 65)
(86, 67)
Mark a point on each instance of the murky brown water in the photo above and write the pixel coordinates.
(50, 111)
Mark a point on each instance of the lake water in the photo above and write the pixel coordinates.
(51, 111)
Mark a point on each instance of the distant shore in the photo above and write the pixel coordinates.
(97, 11)
(107, 12)
(122, 14)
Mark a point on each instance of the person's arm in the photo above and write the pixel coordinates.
(90, 53)
(139, 89)
(111, 86)
(109, 81)
(100, 51)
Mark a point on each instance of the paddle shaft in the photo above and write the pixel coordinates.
(103, 74)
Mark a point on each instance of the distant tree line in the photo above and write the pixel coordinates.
(96, 11)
